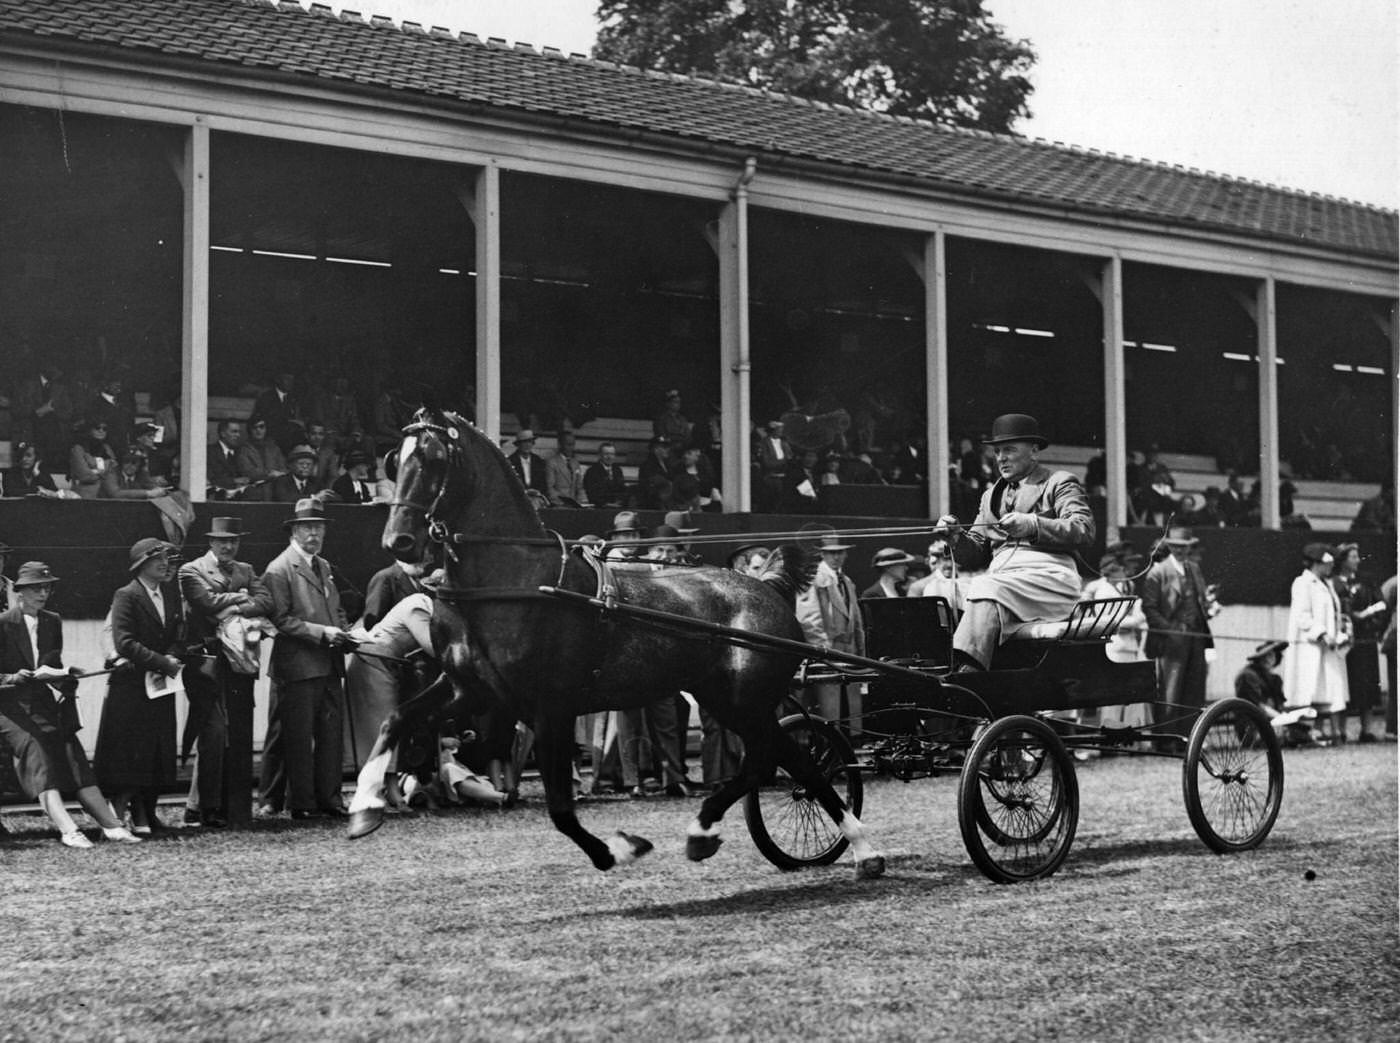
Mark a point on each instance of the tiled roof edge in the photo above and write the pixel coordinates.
(1025, 141)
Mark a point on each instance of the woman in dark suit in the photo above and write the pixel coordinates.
(136, 740)
(48, 757)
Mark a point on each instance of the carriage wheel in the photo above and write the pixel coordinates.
(1233, 776)
(1018, 800)
(787, 824)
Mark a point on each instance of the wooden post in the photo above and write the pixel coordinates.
(485, 209)
(733, 372)
(194, 333)
(1266, 327)
(1115, 441)
(935, 274)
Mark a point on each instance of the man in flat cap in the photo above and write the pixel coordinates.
(1176, 602)
(1030, 523)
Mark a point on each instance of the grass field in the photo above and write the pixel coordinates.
(487, 925)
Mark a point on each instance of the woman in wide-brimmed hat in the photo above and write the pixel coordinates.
(136, 743)
(41, 734)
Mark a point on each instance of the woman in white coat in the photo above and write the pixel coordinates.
(1315, 668)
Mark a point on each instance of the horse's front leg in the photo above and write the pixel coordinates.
(367, 805)
(554, 754)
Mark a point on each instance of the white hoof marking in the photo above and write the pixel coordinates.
(624, 854)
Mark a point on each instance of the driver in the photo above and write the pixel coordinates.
(1030, 522)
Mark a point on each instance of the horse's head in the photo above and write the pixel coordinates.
(449, 478)
(429, 484)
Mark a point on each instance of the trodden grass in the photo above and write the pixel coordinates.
(487, 925)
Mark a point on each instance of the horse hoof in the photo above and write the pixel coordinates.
(870, 868)
(363, 823)
(697, 849)
(626, 848)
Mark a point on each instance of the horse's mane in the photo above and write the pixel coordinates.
(790, 570)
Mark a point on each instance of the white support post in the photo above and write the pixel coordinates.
(1266, 327)
(194, 332)
(485, 209)
(935, 273)
(734, 374)
(1115, 442)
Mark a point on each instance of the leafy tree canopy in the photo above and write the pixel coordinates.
(944, 60)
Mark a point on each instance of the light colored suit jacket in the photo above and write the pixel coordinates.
(827, 616)
(1056, 498)
(304, 605)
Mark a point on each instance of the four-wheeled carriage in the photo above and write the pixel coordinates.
(1011, 732)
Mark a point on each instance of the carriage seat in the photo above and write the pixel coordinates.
(1088, 621)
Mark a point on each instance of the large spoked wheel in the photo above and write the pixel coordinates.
(1233, 776)
(1018, 801)
(786, 822)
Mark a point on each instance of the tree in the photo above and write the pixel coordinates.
(944, 60)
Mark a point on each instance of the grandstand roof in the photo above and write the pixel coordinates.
(381, 57)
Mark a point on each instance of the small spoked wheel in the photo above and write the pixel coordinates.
(1018, 800)
(787, 824)
(1232, 778)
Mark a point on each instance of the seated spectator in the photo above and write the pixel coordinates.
(655, 478)
(1234, 503)
(564, 474)
(29, 476)
(909, 463)
(693, 487)
(1289, 516)
(1378, 513)
(260, 458)
(354, 485)
(43, 409)
(772, 454)
(221, 460)
(391, 414)
(281, 408)
(111, 406)
(830, 473)
(892, 582)
(603, 482)
(857, 469)
(89, 459)
(1096, 473)
(671, 424)
(130, 480)
(750, 560)
(1210, 514)
(800, 484)
(528, 467)
(300, 482)
(327, 459)
(160, 463)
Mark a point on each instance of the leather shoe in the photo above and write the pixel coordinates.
(193, 817)
(213, 820)
(677, 789)
(335, 811)
(75, 839)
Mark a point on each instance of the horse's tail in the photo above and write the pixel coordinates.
(790, 569)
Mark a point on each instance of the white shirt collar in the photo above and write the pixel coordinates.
(1176, 566)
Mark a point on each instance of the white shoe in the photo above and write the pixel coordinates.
(122, 834)
(75, 839)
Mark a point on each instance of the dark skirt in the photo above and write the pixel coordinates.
(47, 756)
(136, 739)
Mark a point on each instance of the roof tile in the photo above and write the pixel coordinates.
(286, 37)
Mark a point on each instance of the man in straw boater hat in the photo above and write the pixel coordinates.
(829, 612)
(49, 760)
(307, 710)
(1177, 603)
(218, 587)
(1030, 523)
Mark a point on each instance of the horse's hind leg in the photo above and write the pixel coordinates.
(554, 754)
(367, 805)
(702, 837)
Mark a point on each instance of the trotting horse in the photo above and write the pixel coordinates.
(503, 642)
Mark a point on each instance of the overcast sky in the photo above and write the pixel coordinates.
(1301, 94)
